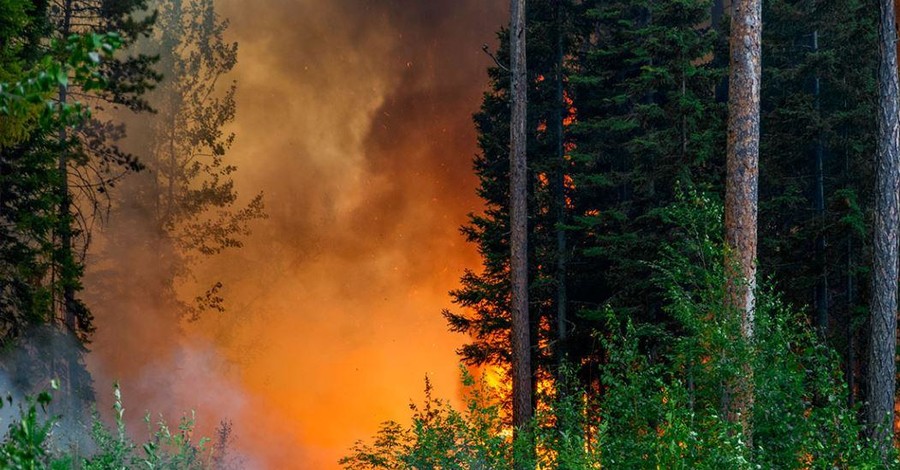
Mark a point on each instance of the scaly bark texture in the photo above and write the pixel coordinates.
(881, 378)
(741, 185)
(519, 336)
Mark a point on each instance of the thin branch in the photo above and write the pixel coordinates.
(487, 50)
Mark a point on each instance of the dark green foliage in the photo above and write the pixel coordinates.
(640, 118)
(129, 75)
(28, 175)
(800, 414)
(644, 86)
(89, 159)
(803, 249)
(484, 294)
(40, 269)
(647, 122)
(664, 410)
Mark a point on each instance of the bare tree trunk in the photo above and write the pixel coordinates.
(819, 202)
(881, 378)
(560, 195)
(851, 330)
(66, 256)
(519, 336)
(741, 187)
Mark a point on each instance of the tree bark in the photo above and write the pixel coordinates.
(821, 297)
(519, 336)
(741, 187)
(559, 187)
(851, 330)
(881, 378)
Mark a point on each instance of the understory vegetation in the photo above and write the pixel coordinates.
(688, 254)
(661, 409)
(36, 440)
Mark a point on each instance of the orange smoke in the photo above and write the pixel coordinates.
(354, 118)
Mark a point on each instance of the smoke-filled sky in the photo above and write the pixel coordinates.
(354, 119)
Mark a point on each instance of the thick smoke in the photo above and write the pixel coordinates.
(354, 118)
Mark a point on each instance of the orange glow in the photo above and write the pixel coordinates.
(498, 384)
(354, 119)
(896, 419)
(543, 180)
(806, 461)
(572, 114)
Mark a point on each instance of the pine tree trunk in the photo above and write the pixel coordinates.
(560, 196)
(851, 330)
(821, 297)
(741, 187)
(883, 321)
(66, 257)
(519, 336)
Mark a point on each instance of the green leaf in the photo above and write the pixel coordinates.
(62, 77)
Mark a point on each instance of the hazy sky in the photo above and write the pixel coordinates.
(354, 119)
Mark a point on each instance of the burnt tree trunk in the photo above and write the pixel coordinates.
(881, 378)
(519, 336)
(741, 188)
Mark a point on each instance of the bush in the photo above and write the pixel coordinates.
(663, 407)
(31, 443)
(439, 436)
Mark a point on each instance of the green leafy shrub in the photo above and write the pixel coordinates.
(668, 411)
(25, 445)
(30, 443)
(439, 436)
(663, 390)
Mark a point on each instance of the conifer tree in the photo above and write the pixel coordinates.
(26, 166)
(831, 125)
(89, 161)
(647, 125)
(38, 273)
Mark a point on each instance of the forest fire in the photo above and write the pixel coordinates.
(266, 236)
(333, 305)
